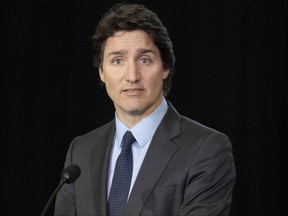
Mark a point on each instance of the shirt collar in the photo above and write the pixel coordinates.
(145, 129)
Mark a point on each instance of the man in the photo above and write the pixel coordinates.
(180, 167)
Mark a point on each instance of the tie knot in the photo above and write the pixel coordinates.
(128, 139)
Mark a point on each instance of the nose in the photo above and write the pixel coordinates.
(132, 72)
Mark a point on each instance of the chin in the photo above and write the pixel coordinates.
(135, 109)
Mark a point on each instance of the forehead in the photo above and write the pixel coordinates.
(129, 40)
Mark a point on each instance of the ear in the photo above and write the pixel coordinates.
(102, 77)
(165, 73)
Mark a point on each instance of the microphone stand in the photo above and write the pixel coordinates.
(51, 199)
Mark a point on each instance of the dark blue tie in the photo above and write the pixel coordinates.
(119, 192)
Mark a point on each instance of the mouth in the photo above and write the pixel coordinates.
(133, 91)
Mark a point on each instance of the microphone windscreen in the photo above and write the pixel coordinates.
(71, 173)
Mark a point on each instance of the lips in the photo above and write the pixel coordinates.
(133, 91)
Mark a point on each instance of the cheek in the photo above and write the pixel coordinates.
(155, 83)
(111, 82)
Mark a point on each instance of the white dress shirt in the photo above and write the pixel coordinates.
(143, 133)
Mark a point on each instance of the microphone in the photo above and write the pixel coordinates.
(69, 175)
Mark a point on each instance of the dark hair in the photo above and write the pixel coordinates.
(129, 17)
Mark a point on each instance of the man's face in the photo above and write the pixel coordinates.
(133, 74)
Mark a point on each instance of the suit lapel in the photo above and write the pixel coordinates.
(160, 152)
(100, 157)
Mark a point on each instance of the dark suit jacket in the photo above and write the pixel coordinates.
(188, 170)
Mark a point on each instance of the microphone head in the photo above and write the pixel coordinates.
(71, 173)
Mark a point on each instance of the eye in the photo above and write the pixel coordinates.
(145, 60)
(117, 61)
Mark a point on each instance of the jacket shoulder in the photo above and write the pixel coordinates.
(98, 132)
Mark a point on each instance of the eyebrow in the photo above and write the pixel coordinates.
(139, 51)
(118, 52)
(143, 51)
